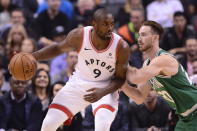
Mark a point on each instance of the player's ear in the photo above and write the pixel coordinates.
(93, 23)
(156, 37)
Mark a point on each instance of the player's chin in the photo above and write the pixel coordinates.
(107, 37)
(141, 49)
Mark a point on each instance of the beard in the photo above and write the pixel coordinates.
(144, 48)
(103, 36)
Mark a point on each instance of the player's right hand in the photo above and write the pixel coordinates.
(94, 95)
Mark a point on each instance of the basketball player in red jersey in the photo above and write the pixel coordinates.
(100, 71)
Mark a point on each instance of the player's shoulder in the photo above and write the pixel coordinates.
(76, 32)
(164, 59)
(165, 56)
(75, 35)
(123, 45)
(123, 50)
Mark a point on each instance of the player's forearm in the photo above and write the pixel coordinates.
(47, 52)
(115, 85)
(134, 93)
(136, 76)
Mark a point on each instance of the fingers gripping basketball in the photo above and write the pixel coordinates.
(23, 66)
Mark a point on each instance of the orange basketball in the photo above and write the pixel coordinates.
(23, 66)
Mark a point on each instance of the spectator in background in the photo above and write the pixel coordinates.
(146, 3)
(152, 115)
(3, 56)
(55, 88)
(17, 17)
(29, 7)
(194, 80)
(194, 67)
(88, 121)
(16, 35)
(162, 11)
(58, 33)
(20, 110)
(4, 85)
(123, 15)
(174, 37)
(84, 10)
(41, 87)
(1, 82)
(49, 19)
(43, 65)
(129, 32)
(58, 64)
(28, 45)
(66, 7)
(121, 121)
(187, 58)
(5, 9)
(71, 60)
(190, 10)
(192, 13)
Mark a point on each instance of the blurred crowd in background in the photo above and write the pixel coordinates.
(29, 25)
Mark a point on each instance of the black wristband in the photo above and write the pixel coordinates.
(131, 84)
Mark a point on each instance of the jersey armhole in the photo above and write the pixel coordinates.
(118, 46)
(81, 43)
(165, 76)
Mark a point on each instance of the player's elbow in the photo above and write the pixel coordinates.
(139, 101)
(132, 78)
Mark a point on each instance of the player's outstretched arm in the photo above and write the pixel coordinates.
(73, 40)
(161, 65)
(120, 75)
(137, 94)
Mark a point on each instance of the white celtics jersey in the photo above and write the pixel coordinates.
(96, 65)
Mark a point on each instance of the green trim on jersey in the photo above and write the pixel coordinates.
(177, 90)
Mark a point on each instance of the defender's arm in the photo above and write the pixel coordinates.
(161, 65)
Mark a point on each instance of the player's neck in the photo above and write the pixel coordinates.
(152, 52)
(99, 43)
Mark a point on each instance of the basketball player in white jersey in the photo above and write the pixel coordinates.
(100, 71)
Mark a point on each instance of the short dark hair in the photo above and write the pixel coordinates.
(179, 13)
(99, 13)
(156, 27)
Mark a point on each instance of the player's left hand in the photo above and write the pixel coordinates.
(94, 95)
